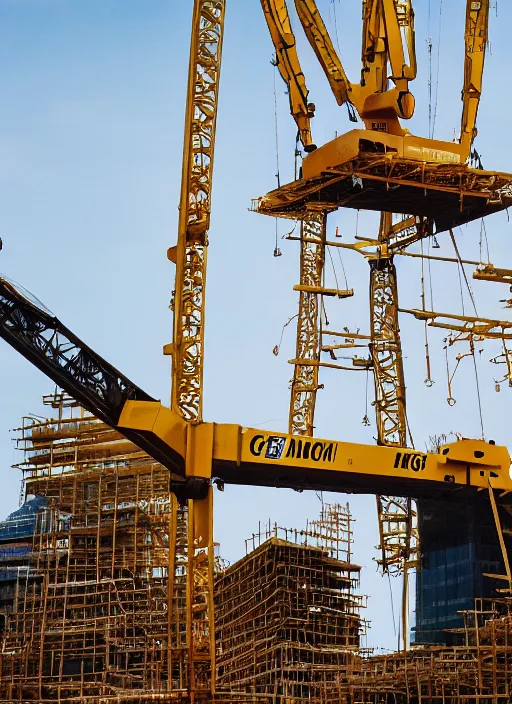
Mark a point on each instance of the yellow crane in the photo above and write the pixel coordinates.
(375, 102)
(355, 169)
(188, 304)
(194, 451)
(380, 98)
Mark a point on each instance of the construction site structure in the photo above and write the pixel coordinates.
(379, 168)
(98, 593)
(477, 669)
(93, 576)
(288, 619)
(95, 564)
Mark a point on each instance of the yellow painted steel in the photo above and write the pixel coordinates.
(307, 346)
(476, 36)
(252, 456)
(396, 514)
(190, 254)
(378, 104)
(288, 64)
(187, 347)
(489, 272)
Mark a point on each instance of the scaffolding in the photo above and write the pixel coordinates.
(479, 669)
(288, 622)
(98, 613)
(93, 589)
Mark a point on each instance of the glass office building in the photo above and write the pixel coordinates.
(459, 545)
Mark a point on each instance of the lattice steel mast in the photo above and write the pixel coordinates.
(187, 348)
(396, 516)
(307, 350)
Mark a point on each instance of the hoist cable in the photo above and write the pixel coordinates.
(322, 303)
(478, 395)
(333, 268)
(461, 265)
(411, 439)
(343, 268)
(277, 347)
(423, 307)
(429, 50)
(336, 26)
(483, 236)
(438, 67)
(477, 382)
(366, 420)
(428, 380)
(461, 290)
(276, 127)
(392, 604)
(429, 267)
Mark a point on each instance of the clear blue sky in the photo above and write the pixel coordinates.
(91, 126)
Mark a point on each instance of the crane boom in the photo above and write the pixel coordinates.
(384, 21)
(241, 455)
(41, 338)
(475, 36)
(288, 64)
(322, 45)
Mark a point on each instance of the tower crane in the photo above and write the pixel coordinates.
(380, 99)
(188, 304)
(429, 177)
(379, 106)
(194, 451)
(197, 453)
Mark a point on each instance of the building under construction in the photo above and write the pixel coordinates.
(93, 572)
(93, 589)
(88, 611)
(288, 616)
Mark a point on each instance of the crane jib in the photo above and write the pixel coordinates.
(230, 452)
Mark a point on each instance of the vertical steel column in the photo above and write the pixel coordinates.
(307, 356)
(187, 348)
(396, 515)
(195, 207)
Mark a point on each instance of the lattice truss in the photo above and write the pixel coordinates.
(397, 518)
(305, 377)
(188, 303)
(190, 254)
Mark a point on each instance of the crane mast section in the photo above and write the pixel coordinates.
(475, 36)
(190, 255)
(288, 64)
(396, 515)
(187, 349)
(386, 354)
(305, 377)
